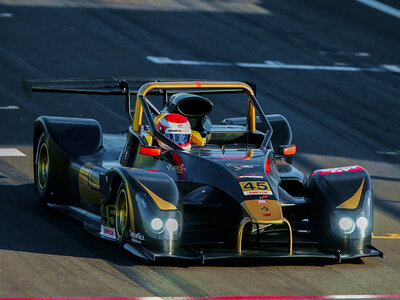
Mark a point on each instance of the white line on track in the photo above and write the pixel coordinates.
(268, 64)
(387, 152)
(6, 15)
(10, 152)
(382, 7)
(9, 107)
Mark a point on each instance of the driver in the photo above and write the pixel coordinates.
(174, 127)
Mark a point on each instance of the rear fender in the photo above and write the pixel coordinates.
(74, 136)
(59, 164)
(151, 195)
(342, 211)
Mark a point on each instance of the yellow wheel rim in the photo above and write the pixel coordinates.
(43, 166)
(121, 214)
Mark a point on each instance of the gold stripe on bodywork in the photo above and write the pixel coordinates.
(131, 215)
(263, 211)
(354, 200)
(161, 203)
(88, 189)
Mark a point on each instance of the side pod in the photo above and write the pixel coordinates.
(342, 213)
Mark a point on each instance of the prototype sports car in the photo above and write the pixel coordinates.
(234, 194)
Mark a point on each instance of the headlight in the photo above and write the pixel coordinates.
(171, 225)
(347, 225)
(362, 223)
(157, 225)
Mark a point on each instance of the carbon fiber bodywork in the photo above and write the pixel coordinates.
(234, 195)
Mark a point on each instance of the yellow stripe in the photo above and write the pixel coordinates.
(353, 202)
(393, 236)
(161, 203)
(132, 220)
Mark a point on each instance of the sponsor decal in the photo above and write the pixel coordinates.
(137, 237)
(339, 170)
(250, 188)
(183, 130)
(239, 167)
(178, 168)
(262, 201)
(107, 232)
(250, 176)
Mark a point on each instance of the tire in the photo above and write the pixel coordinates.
(122, 220)
(41, 170)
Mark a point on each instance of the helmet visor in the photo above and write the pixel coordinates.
(178, 138)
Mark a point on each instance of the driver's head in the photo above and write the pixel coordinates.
(176, 128)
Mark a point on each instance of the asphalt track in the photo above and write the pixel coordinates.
(339, 118)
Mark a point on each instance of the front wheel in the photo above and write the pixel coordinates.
(122, 215)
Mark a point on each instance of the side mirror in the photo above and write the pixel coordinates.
(150, 151)
(287, 151)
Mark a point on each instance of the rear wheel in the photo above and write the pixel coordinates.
(41, 169)
(122, 214)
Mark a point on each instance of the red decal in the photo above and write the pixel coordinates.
(266, 214)
(198, 83)
(339, 170)
(267, 166)
(108, 231)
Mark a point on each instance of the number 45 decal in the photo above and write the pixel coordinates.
(255, 188)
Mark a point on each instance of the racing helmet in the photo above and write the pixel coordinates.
(174, 127)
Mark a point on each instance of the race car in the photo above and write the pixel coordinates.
(234, 194)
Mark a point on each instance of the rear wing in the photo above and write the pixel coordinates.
(125, 86)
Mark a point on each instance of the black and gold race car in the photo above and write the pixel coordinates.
(235, 194)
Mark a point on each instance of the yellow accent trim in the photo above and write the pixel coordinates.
(148, 135)
(393, 236)
(138, 117)
(161, 203)
(354, 200)
(144, 89)
(89, 191)
(159, 117)
(251, 116)
(197, 139)
(128, 193)
(246, 220)
(290, 237)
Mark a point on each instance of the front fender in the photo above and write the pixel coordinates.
(342, 206)
(153, 197)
